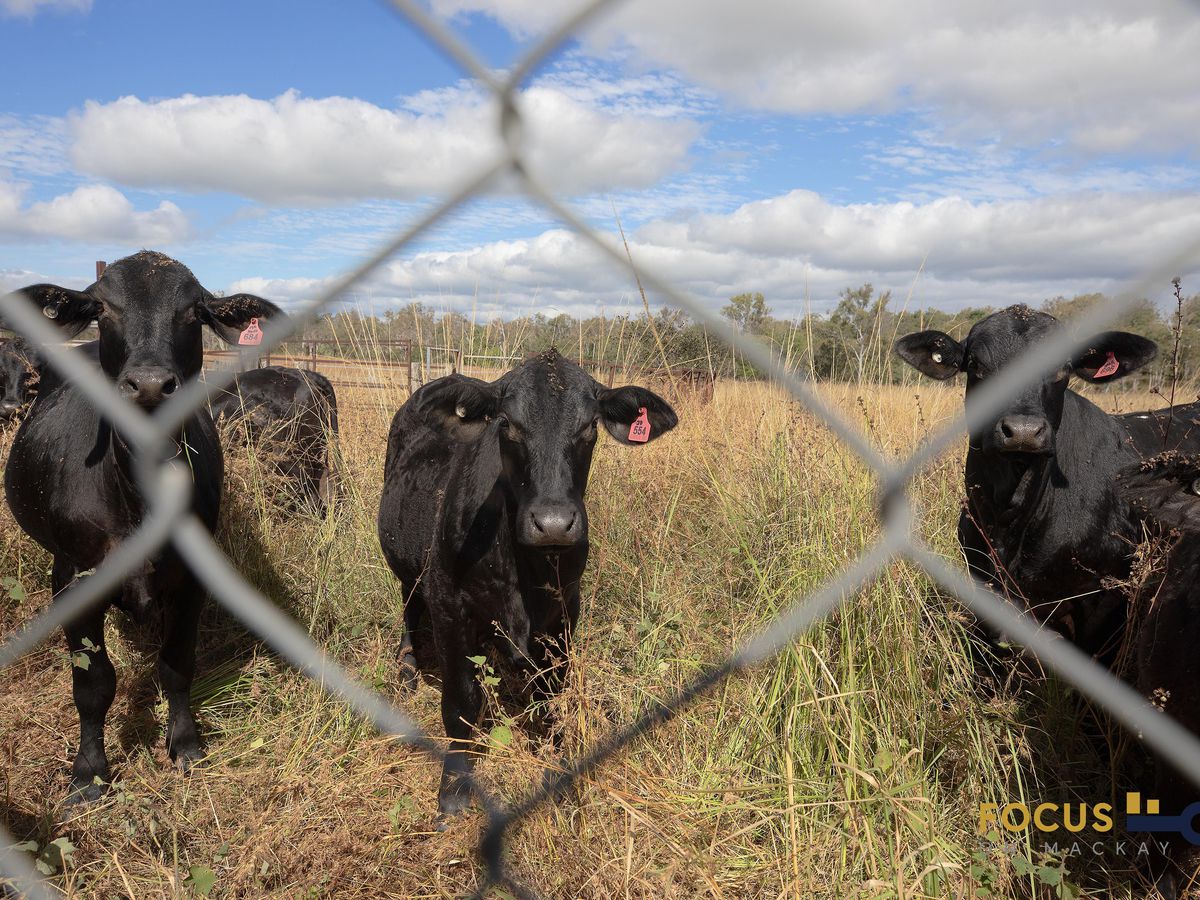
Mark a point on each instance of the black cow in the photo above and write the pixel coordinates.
(70, 479)
(1164, 494)
(482, 519)
(1044, 520)
(18, 377)
(288, 415)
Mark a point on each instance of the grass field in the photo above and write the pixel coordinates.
(851, 766)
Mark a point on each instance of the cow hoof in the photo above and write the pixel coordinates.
(186, 760)
(85, 792)
(450, 804)
(1166, 887)
(408, 673)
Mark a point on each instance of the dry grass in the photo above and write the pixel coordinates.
(852, 765)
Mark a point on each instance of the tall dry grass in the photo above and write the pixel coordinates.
(850, 766)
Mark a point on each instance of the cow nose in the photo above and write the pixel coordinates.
(1023, 434)
(148, 386)
(553, 526)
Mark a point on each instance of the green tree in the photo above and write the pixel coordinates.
(747, 312)
(857, 325)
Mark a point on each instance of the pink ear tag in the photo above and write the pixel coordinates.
(639, 431)
(1110, 366)
(252, 336)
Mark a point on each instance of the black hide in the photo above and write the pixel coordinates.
(1164, 494)
(483, 521)
(289, 416)
(70, 478)
(18, 378)
(1044, 521)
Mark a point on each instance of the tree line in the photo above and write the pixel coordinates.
(850, 343)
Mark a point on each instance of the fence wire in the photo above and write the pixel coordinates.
(167, 487)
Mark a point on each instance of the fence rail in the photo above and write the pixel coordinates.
(169, 522)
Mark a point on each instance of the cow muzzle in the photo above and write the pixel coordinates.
(552, 525)
(1023, 434)
(147, 386)
(9, 409)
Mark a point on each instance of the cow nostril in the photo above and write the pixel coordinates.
(536, 523)
(1006, 429)
(170, 385)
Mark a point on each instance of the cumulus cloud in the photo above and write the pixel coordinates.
(94, 212)
(27, 9)
(1103, 75)
(294, 149)
(800, 248)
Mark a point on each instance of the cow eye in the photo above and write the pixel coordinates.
(1194, 487)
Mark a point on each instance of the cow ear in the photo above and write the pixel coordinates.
(932, 353)
(458, 405)
(621, 407)
(72, 311)
(231, 317)
(1111, 355)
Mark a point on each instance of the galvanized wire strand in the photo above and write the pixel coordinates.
(134, 424)
(191, 397)
(168, 492)
(1172, 740)
(554, 39)
(16, 866)
(988, 400)
(753, 350)
(806, 612)
(173, 493)
(196, 545)
(447, 41)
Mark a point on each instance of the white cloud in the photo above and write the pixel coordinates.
(33, 145)
(27, 9)
(94, 212)
(1102, 75)
(800, 247)
(294, 149)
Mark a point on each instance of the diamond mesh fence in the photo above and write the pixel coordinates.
(167, 488)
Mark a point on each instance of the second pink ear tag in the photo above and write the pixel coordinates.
(1110, 366)
(252, 336)
(639, 431)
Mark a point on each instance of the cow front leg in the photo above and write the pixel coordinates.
(93, 685)
(176, 669)
(462, 703)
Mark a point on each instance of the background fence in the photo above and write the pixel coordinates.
(167, 488)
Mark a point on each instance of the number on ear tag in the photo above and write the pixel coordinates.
(252, 336)
(1110, 366)
(639, 431)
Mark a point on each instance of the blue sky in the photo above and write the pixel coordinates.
(965, 152)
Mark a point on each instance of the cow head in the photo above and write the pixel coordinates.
(1029, 424)
(539, 424)
(150, 311)
(18, 377)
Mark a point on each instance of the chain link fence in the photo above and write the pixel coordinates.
(167, 488)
